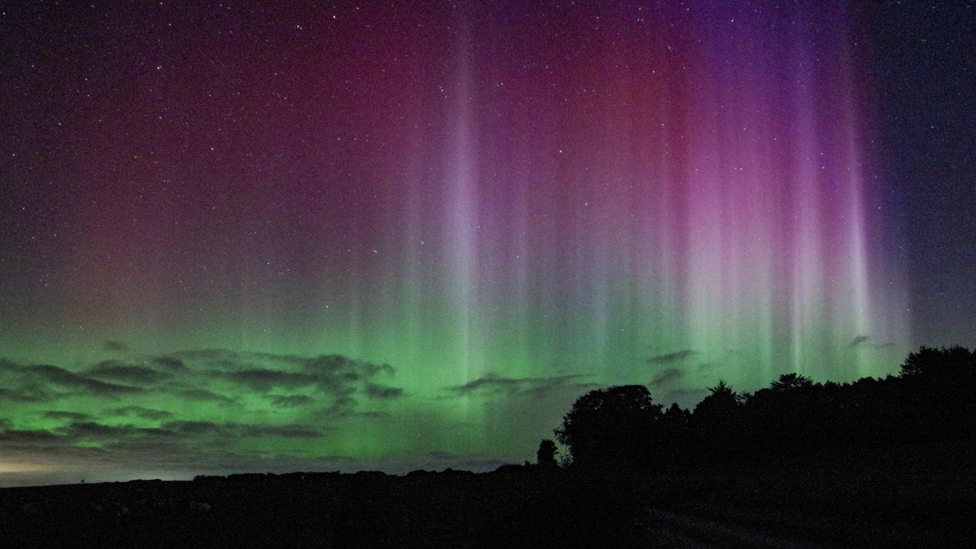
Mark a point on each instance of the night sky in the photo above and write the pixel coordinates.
(395, 235)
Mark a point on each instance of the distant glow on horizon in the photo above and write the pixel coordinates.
(419, 248)
(8, 467)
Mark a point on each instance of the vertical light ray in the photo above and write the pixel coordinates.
(807, 313)
(855, 183)
(462, 215)
(414, 273)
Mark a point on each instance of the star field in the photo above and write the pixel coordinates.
(240, 236)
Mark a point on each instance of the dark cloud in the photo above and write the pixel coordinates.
(265, 380)
(707, 367)
(374, 415)
(68, 416)
(339, 379)
(290, 401)
(203, 395)
(45, 383)
(286, 431)
(89, 429)
(15, 436)
(495, 384)
(334, 376)
(179, 434)
(18, 384)
(195, 427)
(863, 342)
(211, 358)
(71, 380)
(36, 394)
(98, 432)
(670, 357)
(115, 346)
(382, 392)
(340, 367)
(155, 410)
(170, 363)
(124, 373)
(491, 383)
(667, 376)
(341, 375)
(342, 405)
(138, 411)
(208, 429)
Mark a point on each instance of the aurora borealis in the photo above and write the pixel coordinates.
(243, 237)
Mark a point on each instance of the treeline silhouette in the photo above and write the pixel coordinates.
(932, 401)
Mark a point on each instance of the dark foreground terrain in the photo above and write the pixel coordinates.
(910, 498)
(324, 510)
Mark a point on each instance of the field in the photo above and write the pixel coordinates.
(912, 497)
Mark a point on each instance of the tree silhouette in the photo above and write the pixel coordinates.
(720, 404)
(716, 420)
(939, 363)
(932, 403)
(939, 387)
(611, 428)
(791, 382)
(784, 418)
(672, 434)
(546, 456)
